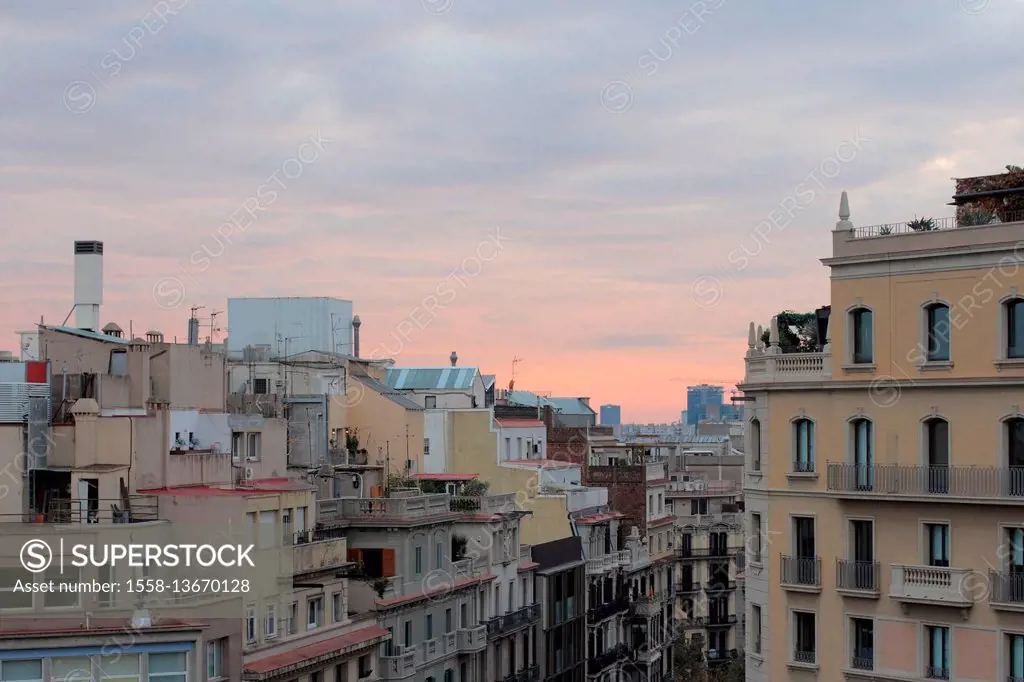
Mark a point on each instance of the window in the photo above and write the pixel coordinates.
(338, 607)
(755, 445)
(449, 674)
(1014, 328)
(755, 632)
(755, 532)
(426, 447)
(863, 631)
(1015, 658)
(430, 402)
(270, 621)
(863, 353)
(804, 637)
(117, 666)
(936, 432)
(429, 625)
(438, 554)
(1015, 455)
(293, 618)
(365, 666)
(170, 667)
(215, 650)
(61, 599)
(448, 620)
(24, 671)
(250, 623)
(316, 676)
(252, 453)
(70, 669)
(260, 386)
(863, 454)
(118, 363)
(236, 445)
(418, 560)
(937, 321)
(314, 613)
(803, 461)
(698, 505)
(937, 652)
(9, 577)
(937, 544)
(408, 633)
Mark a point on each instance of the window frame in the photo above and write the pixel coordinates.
(1006, 319)
(930, 331)
(756, 439)
(854, 320)
(215, 659)
(803, 463)
(250, 624)
(314, 606)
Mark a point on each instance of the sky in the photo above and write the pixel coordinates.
(609, 191)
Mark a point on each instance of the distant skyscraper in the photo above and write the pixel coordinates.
(698, 398)
(611, 415)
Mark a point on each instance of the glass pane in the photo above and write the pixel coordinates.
(938, 333)
(119, 665)
(1015, 329)
(70, 577)
(167, 663)
(22, 670)
(71, 669)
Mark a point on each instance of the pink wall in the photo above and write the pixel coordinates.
(897, 646)
(974, 654)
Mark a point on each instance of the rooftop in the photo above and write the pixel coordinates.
(519, 423)
(386, 391)
(265, 485)
(568, 406)
(287, 661)
(431, 378)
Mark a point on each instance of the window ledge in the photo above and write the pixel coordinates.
(1009, 363)
(866, 368)
(935, 366)
(802, 474)
(802, 666)
(757, 657)
(755, 474)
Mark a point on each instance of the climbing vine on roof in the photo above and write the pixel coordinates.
(798, 332)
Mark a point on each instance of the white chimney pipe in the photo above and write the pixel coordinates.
(88, 284)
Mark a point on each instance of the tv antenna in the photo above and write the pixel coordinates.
(213, 324)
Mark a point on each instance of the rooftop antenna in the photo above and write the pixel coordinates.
(515, 363)
(213, 325)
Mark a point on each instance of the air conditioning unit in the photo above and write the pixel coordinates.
(247, 475)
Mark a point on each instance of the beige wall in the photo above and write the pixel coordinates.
(384, 426)
(188, 377)
(12, 465)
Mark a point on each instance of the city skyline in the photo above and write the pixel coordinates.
(637, 205)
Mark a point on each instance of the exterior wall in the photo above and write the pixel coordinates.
(517, 442)
(435, 429)
(12, 464)
(324, 324)
(384, 427)
(188, 377)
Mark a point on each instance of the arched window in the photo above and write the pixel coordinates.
(1014, 328)
(938, 332)
(863, 438)
(803, 442)
(936, 442)
(863, 336)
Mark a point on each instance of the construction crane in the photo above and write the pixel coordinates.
(515, 363)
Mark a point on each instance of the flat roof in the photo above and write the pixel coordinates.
(363, 637)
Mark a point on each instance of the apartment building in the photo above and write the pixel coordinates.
(561, 583)
(883, 471)
(709, 584)
(488, 533)
(607, 594)
(435, 610)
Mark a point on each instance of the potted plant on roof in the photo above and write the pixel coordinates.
(922, 224)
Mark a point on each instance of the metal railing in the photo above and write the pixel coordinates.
(802, 571)
(804, 656)
(141, 508)
(975, 482)
(722, 619)
(302, 537)
(598, 613)
(688, 588)
(531, 674)
(499, 625)
(935, 224)
(933, 673)
(606, 658)
(862, 662)
(713, 586)
(803, 467)
(715, 655)
(857, 575)
(708, 552)
(1006, 588)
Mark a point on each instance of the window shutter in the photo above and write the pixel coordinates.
(388, 556)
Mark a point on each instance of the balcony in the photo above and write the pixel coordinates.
(398, 666)
(385, 511)
(801, 574)
(688, 588)
(719, 586)
(602, 564)
(935, 585)
(140, 509)
(716, 657)
(719, 620)
(1006, 591)
(708, 552)
(863, 660)
(858, 578)
(316, 550)
(770, 365)
(472, 640)
(598, 613)
(964, 484)
(606, 659)
(647, 607)
(531, 674)
(484, 504)
(510, 622)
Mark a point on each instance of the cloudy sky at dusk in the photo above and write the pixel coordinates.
(626, 154)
